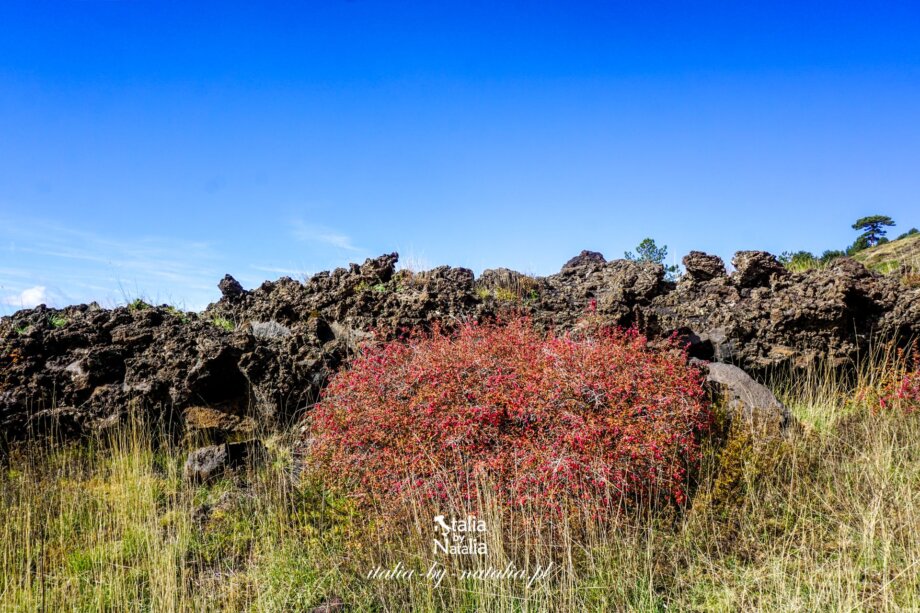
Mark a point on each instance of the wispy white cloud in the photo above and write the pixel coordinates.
(27, 298)
(290, 272)
(321, 234)
(46, 254)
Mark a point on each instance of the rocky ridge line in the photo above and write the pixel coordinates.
(84, 367)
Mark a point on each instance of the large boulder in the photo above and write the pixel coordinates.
(756, 268)
(212, 462)
(617, 291)
(745, 400)
(230, 288)
(585, 258)
(701, 266)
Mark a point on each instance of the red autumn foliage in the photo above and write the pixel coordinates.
(589, 420)
(900, 388)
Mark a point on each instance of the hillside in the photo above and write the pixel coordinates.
(891, 256)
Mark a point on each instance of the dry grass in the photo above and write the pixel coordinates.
(826, 520)
(508, 286)
(892, 256)
(804, 265)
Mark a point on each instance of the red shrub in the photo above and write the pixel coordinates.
(899, 389)
(552, 421)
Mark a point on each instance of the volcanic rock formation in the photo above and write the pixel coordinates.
(265, 353)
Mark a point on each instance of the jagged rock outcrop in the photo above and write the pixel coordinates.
(265, 353)
(360, 298)
(761, 317)
(84, 367)
(230, 288)
(701, 267)
(585, 258)
(756, 268)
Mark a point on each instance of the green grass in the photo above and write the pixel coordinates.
(223, 323)
(364, 286)
(177, 313)
(891, 256)
(517, 293)
(57, 321)
(826, 520)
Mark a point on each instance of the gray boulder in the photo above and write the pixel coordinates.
(744, 398)
(212, 462)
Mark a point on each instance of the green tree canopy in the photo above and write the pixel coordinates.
(648, 251)
(872, 228)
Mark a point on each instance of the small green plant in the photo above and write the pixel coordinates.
(177, 313)
(57, 321)
(830, 255)
(799, 261)
(508, 294)
(364, 286)
(223, 323)
(137, 305)
(503, 294)
(20, 330)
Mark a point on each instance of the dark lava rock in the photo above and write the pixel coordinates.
(82, 368)
(585, 258)
(152, 362)
(617, 291)
(230, 288)
(756, 268)
(797, 320)
(206, 424)
(504, 278)
(703, 267)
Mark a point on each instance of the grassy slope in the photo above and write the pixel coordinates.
(827, 520)
(890, 256)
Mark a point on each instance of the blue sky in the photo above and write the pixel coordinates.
(147, 148)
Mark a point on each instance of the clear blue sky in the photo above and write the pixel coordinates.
(147, 148)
